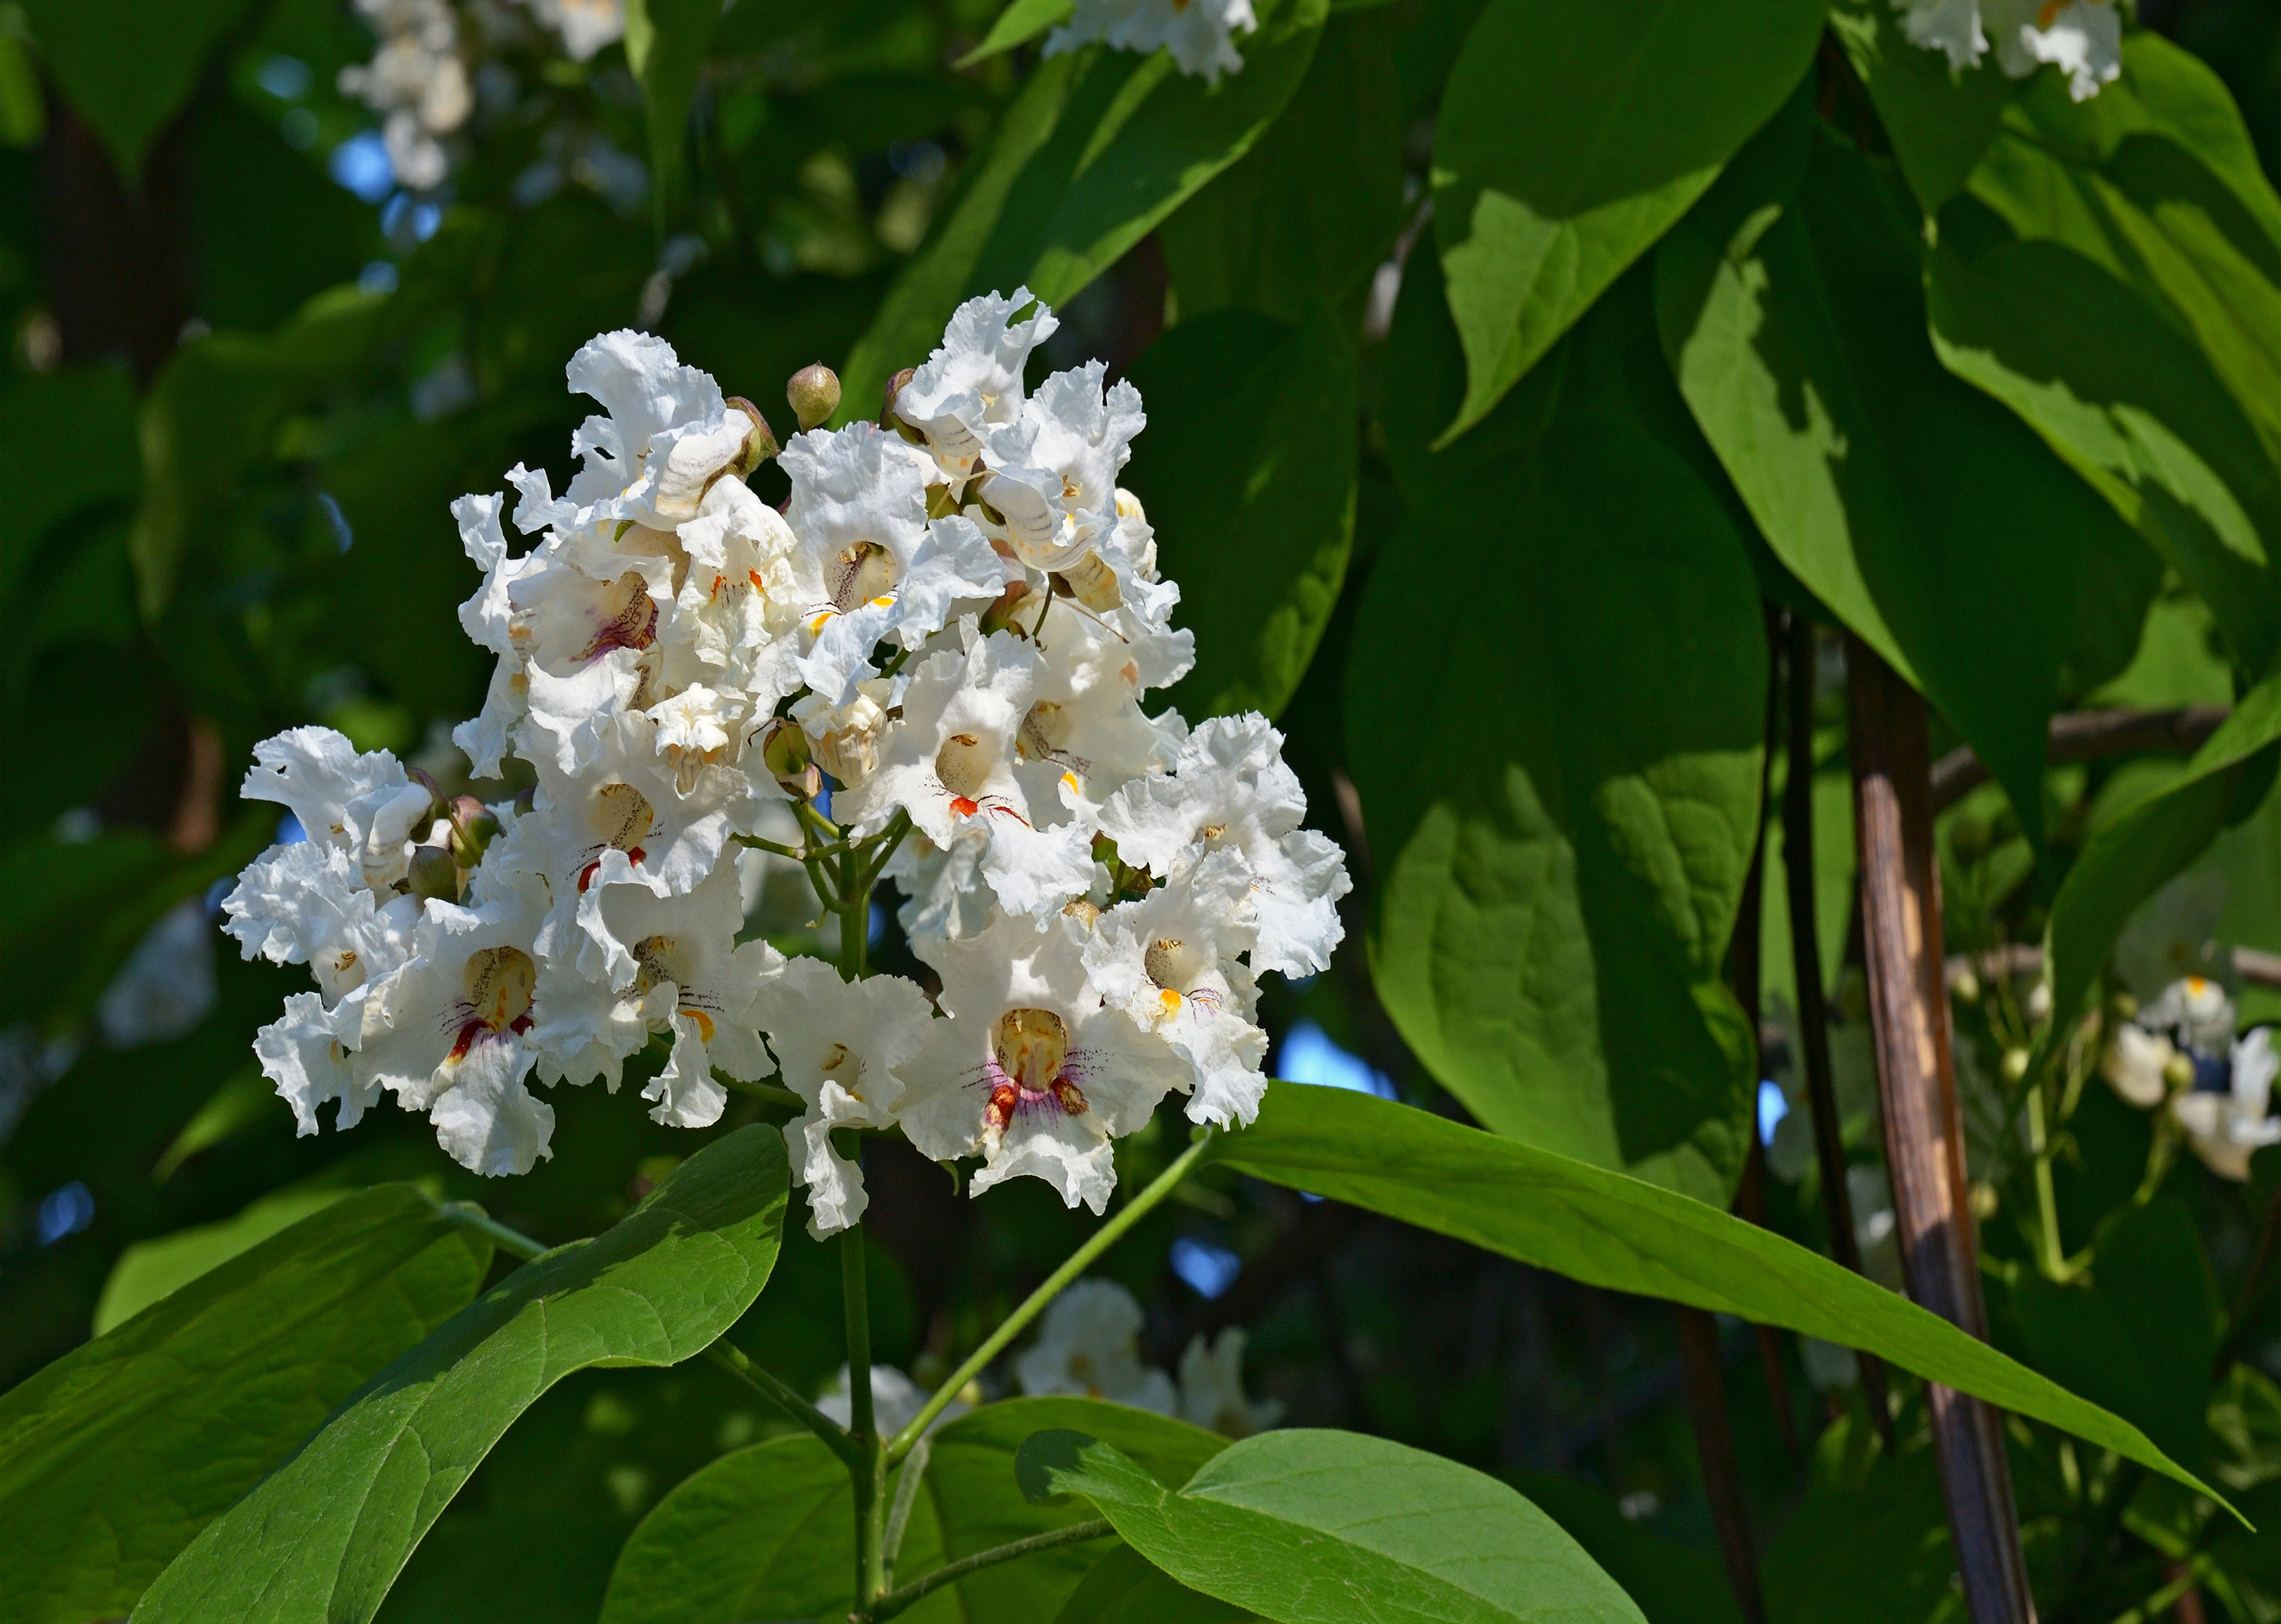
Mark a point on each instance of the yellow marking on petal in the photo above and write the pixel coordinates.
(887, 602)
(816, 625)
(704, 1023)
(1070, 778)
(2196, 986)
(1170, 999)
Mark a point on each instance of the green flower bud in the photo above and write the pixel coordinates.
(2015, 1064)
(2178, 1071)
(473, 829)
(814, 392)
(887, 418)
(760, 445)
(433, 874)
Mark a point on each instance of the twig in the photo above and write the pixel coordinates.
(1034, 1304)
(773, 1388)
(1812, 1012)
(2089, 736)
(1908, 1005)
(1723, 1483)
(2026, 958)
(894, 1601)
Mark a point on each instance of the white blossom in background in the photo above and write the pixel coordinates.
(2083, 38)
(958, 617)
(584, 25)
(416, 81)
(2182, 1050)
(1198, 32)
(1211, 1389)
(1089, 1346)
(896, 1401)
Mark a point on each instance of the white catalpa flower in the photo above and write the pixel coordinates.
(868, 566)
(1198, 32)
(1231, 790)
(841, 1045)
(305, 1054)
(307, 903)
(449, 1033)
(2137, 1063)
(945, 897)
(950, 763)
(584, 26)
(1089, 1346)
(1085, 734)
(2083, 38)
(896, 1401)
(1031, 1071)
(1053, 470)
(1211, 1389)
(362, 803)
(2228, 1125)
(1169, 962)
(974, 381)
(2197, 1009)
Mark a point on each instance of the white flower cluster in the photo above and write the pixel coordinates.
(958, 617)
(419, 79)
(2181, 1050)
(1198, 32)
(1089, 1346)
(2083, 38)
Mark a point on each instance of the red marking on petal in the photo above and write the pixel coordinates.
(962, 807)
(999, 1112)
(1069, 1096)
(468, 1033)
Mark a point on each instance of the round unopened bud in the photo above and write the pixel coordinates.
(2015, 1064)
(473, 828)
(433, 874)
(888, 419)
(2178, 1071)
(1965, 985)
(784, 748)
(1984, 1200)
(813, 393)
(436, 798)
(2123, 1005)
(759, 446)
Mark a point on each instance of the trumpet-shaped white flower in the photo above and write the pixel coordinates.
(2197, 1009)
(307, 903)
(841, 1045)
(2228, 1125)
(415, 82)
(362, 803)
(1200, 33)
(945, 896)
(950, 763)
(1085, 734)
(305, 1054)
(1211, 1389)
(1229, 791)
(1089, 1346)
(585, 26)
(2137, 1063)
(1169, 962)
(2084, 38)
(449, 1032)
(1053, 470)
(1031, 1069)
(665, 433)
(974, 381)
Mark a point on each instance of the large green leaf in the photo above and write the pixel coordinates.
(1248, 476)
(2154, 179)
(324, 1536)
(1941, 122)
(1326, 1527)
(2128, 858)
(979, 1503)
(1572, 136)
(1937, 526)
(2139, 1335)
(1098, 148)
(1555, 708)
(1625, 1235)
(149, 1270)
(1311, 212)
(765, 1533)
(1125, 1588)
(115, 1456)
(2132, 404)
(127, 68)
(665, 47)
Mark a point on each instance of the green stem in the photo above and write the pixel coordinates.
(1077, 1533)
(773, 1388)
(892, 836)
(466, 1214)
(868, 1475)
(2047, 1206)
(907, 1490)
(1079, 1261)
(770, 1092)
